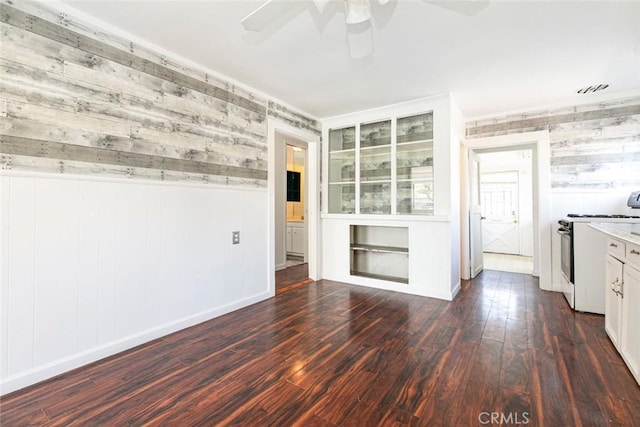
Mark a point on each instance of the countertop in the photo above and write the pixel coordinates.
(627, 232)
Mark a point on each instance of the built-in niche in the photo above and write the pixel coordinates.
(380, 252)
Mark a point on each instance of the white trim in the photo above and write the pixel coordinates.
(540, 143)
(312, 219)
(371, 115)
(5, 189)
(153, 182)
(373, 217)
(80, 359)
(535, 110)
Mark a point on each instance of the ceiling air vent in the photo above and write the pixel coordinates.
(591, 89)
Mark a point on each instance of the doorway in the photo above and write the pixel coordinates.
(538, 143)
(296, 235)
(293, 223)
(506, 203)
(295, 269)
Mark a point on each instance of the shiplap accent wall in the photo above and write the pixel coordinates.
(594, 146)
(74, 99)
(124, 173)
(595, 157)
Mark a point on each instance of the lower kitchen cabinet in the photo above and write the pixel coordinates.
(613, 300)
(622, 299)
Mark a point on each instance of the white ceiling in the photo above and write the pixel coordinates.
(509, 56)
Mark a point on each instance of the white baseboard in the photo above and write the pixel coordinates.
(44, 372)
(455, 290)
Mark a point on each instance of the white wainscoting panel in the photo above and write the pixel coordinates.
(95, 265)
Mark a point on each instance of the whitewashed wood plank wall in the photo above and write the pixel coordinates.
(594, 146)
(76, 99)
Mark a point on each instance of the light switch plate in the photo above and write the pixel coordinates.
(235, 237)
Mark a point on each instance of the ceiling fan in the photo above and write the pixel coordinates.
(358, 17)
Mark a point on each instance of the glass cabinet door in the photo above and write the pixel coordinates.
(342, 170)
(414, 165)
(375, 168)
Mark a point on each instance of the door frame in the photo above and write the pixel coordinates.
(312, 192)
(296, 143)
(539, 143)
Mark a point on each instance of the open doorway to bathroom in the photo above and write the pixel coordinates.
(292, 266)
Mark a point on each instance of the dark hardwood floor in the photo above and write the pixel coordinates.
(335, 354)
(292, 277)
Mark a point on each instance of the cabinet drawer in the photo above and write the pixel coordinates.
(633, 254)
(616, 248)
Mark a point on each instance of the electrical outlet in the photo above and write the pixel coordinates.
(235, 237)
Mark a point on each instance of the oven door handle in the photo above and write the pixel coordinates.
(563, 232)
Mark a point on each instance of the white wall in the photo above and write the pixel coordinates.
(93, 266)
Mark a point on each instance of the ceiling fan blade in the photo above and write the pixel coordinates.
(320, 4)
(466, 7)
(266, 14)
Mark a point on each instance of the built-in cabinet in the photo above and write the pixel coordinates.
(622, 316)
(414, 165)
(382, 167)
(342, 170)
(295, 238)
(374, 168)
(390, 216)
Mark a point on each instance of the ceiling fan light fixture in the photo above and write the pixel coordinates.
(357, 11)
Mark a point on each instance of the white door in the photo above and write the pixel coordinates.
(475, 216)
(499, 201)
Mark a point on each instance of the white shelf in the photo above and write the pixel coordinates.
(414, 180)
(417, 141)
(377, 181)
(375, 150)
(380, 249)
(343, 153)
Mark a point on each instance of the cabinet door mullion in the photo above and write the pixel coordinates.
(357, 173)
(394, 167)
